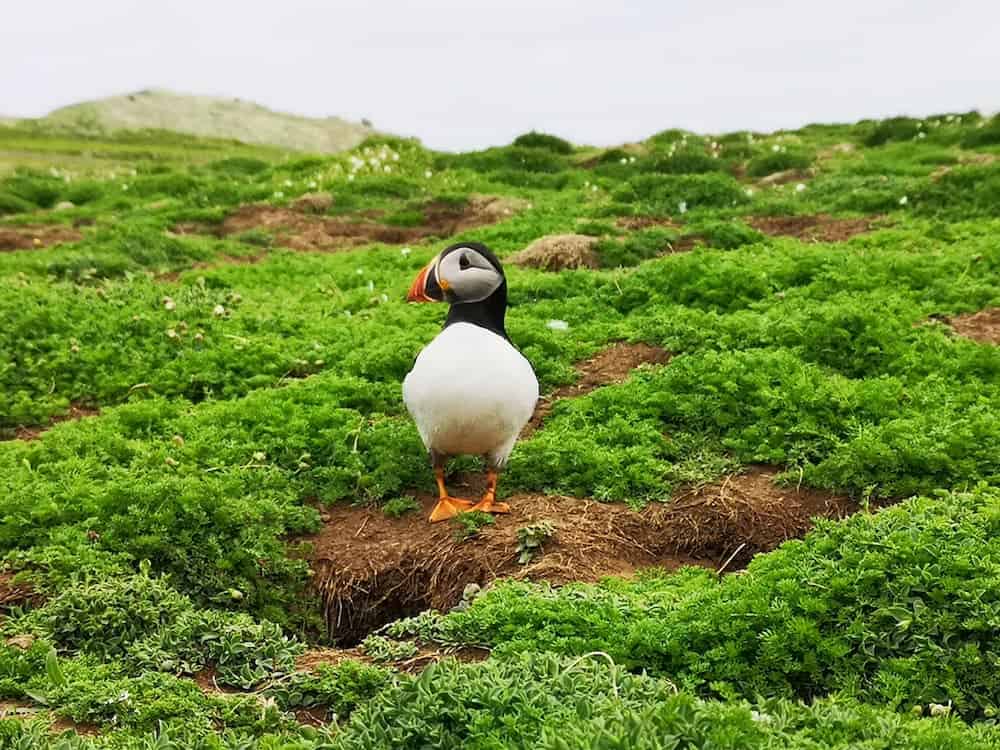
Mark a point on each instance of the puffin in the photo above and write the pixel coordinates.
(470, 391)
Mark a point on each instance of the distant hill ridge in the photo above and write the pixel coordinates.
(207, 116)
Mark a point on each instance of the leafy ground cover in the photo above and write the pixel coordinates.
(189, 400)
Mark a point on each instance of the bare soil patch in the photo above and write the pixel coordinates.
(14, 594)
(32, 237)
(371, 569)
(611, 365)
(645, 222)
(983, 326)
(302, 229)
(818, 228)
(558, 252)
(76, 411)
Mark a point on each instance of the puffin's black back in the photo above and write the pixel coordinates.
(488, 313)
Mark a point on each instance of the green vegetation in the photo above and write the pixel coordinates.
(230, 401)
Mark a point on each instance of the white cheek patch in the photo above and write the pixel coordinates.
(474, 283)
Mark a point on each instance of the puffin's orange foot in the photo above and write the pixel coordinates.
(489, 505)
(449, 507)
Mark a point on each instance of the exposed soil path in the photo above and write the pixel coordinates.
(301, 229)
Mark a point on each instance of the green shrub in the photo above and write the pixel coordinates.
(727, 235)
(238, 166)
(39, 190)
(635, 248)
(400, 506)
(988, 135)
(893, 129)
(13, 204)
(150, 626)
(339, 688)
(690, 160)
(665, 194)
(779, 161)
(544, 141)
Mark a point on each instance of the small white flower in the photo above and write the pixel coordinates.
(557, 325)
(279, 194)
(218, 311)
(384, 297)
(171, 333)
(800, 187)
(593, 188)
(169, 303)
(288, 183)
(904, 200)
(259, 456)
(404, 251)
(350, 178)
(921, 134)
(386, 168)
(624, 160)
(682, 207)
(312, 183)
(371, 285)
(428, 174)
(124, 187)
(749, 192)
(359, 271)
(395, 157)
(776, 148)
(631, 159)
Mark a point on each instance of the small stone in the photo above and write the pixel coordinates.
(65, 206)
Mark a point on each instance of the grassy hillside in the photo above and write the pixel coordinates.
(207, 117)
(201, 359)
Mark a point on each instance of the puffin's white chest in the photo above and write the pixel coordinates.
(470, 392)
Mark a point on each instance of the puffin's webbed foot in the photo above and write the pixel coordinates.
(447, 506)
(488, 504)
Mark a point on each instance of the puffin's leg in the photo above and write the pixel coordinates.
(488, 504)
(447, 506)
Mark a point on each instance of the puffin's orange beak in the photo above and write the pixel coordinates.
(418, 289)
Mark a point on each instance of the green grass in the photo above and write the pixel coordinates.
(236, 398)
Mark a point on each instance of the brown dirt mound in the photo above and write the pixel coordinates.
(76, 411)
(818, 228)
(611, 365)
(370, 569)
(33, 237)
(983, 326)
(303, 229)
(559, 252)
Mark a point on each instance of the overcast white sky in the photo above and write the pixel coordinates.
(463, 74)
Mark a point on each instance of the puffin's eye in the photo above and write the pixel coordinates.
(463, 262)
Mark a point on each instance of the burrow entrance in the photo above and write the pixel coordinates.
(371, 569)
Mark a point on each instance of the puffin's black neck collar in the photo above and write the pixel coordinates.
(488, 313)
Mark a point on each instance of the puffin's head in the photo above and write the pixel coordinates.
(462, 273)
